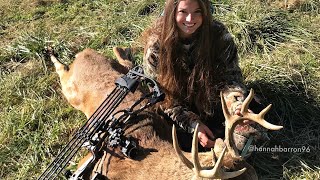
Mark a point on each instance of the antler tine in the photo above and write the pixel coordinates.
(232, 148)
(216, 171)
(264, 111)
(246, 102)
(270, 126)
(194, 152)
(229, 121)
(258, 118)
(213, 156)
(178, 150)
(227, 175)
(226, 113)
(218, 164)
(265, 123)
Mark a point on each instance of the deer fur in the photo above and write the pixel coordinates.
(88, 81)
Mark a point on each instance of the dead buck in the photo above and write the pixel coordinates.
(87, 82)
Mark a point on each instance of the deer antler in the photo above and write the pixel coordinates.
(205, 172)
(233, 120)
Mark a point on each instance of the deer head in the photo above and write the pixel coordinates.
(231, 121)
(217, 171)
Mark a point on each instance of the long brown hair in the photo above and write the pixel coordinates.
(194, 87)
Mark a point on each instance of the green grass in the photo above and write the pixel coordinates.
(279, 51)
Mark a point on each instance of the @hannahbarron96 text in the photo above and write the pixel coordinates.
(278, 148)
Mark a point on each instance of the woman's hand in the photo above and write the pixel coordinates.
(205, 136)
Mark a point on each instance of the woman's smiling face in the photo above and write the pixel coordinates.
(188, 17)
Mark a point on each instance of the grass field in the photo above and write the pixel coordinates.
(280, 58)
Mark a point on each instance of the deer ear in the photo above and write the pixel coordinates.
(122, 56)
(120, 53)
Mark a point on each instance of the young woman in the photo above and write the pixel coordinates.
(194, 57)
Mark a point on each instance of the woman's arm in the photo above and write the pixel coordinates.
(232, 85)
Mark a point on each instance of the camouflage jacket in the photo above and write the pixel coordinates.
(230, 79)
